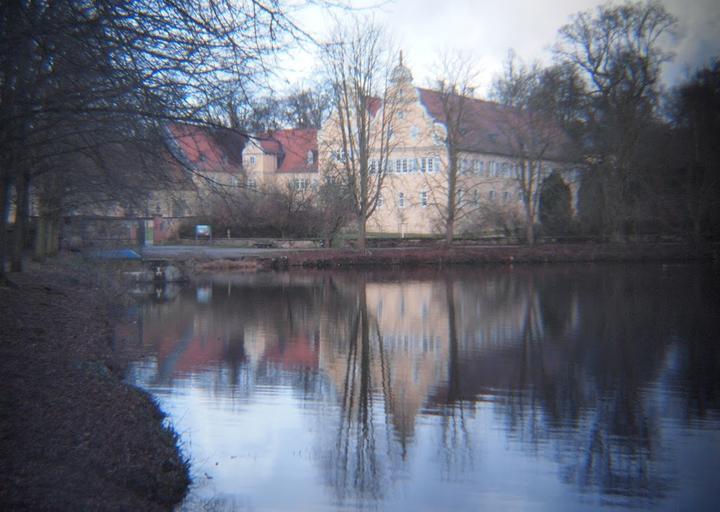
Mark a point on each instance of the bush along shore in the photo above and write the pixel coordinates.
(73, 435)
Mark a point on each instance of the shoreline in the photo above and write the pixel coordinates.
(74, 435)
(456, 255)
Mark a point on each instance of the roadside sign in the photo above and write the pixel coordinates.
(203, 231)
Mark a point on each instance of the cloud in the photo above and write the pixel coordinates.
(487, 29)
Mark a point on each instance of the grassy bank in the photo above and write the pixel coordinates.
(73, 435)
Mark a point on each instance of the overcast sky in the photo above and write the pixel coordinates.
(489, 28)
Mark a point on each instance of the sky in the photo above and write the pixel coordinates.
(487, 29)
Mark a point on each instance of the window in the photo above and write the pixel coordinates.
(401, 200)
(380, 201)
(491, 195)
(310, 159)
(300, 184)
(251, 183)
(372, 166)
(398, 166)
(506, 196)
(423, 198)
(414, 132)
(252, 160)
(404, 165)
(460, 196)
(480, 168)
(401, 115)
(423, 164)
(233, 181)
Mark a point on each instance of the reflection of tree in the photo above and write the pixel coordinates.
(699, 371)
(532, 398)
(354, 462)
(585, 391)
(456, 442)
(571, 357)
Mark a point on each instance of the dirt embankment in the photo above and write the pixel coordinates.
(73, 436)
(460, 255)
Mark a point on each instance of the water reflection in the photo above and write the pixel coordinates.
(426, 390)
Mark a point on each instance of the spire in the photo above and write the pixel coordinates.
(401, 73)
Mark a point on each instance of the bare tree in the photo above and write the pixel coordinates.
(455, 88)
(617, 51)
(530, 131)
(76, 78)
(307, 106)
(359, 136)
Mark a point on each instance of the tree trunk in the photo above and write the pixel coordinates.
(5, 189)
(362, 233)
(41, 238)
(530, 232)
(529, 226)
(451, 199)
(22, 187)
(53, 247)
(449, 231)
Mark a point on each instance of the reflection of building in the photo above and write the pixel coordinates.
(412, 322)
(294, 324)
(231, 328)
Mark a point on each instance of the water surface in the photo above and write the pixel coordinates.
(525, 388)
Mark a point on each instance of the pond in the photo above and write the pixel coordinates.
(500, 388)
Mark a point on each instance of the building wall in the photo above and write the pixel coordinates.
(414, 197)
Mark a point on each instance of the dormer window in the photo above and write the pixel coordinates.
(310, 158)
(202, 157)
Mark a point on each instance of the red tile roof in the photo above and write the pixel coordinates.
(206, 149)
(487, 126)
(292, 147)
(269, 145)
(374, 105)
